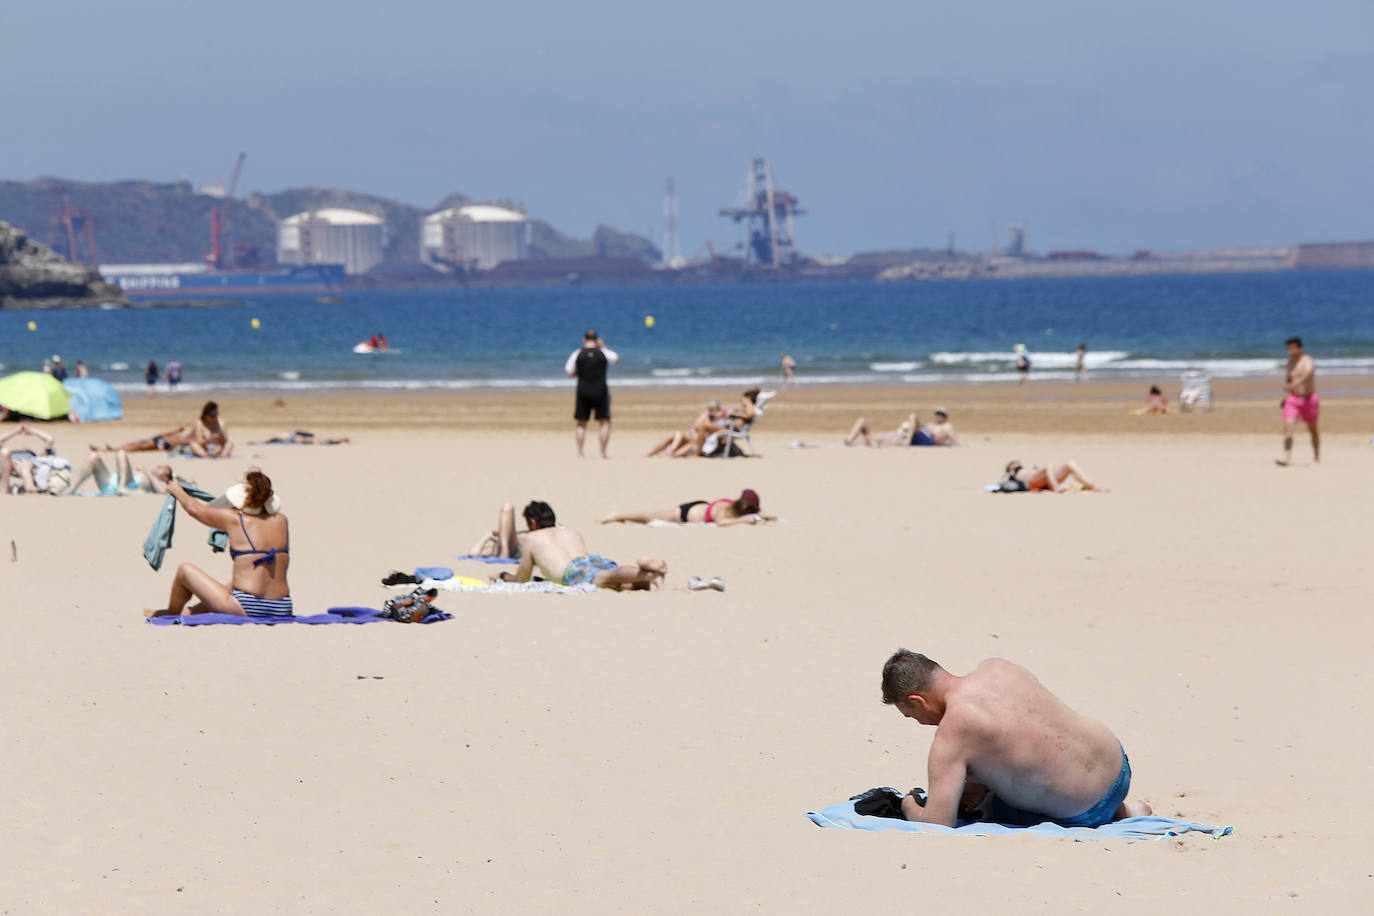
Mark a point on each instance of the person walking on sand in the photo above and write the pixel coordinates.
(1023, 363)
(588, 365)
(789, 372)
(1000, 732)
(150, 375)
(173, 374)
(1300, 401)
(561, 554)
(1080, 353)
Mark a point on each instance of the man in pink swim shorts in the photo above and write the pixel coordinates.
(1300, 401)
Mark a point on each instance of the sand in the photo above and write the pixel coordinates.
(657, 752)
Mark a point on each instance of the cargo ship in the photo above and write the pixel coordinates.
(199, 281)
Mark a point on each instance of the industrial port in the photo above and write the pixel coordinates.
(339, 240)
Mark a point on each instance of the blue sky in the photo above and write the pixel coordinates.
(1171, 124)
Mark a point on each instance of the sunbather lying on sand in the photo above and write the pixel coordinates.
(724, 511)
(1067, 477)
(300, 437)
(124, 477)
(158, 442)
(502, 541)
(911, 432)
(28, 470)
(561, 554)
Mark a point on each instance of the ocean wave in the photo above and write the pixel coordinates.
(678, 373)
(1047, 359)
(951, 373)
(893, 367)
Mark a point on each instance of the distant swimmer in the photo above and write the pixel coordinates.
(789, 371)
(1023, 363)
(1300, 401)
(1080, 353)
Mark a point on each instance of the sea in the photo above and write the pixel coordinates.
(726, 336)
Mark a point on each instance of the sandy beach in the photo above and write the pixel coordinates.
(657, 751)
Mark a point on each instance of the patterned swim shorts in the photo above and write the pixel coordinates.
(584, 569)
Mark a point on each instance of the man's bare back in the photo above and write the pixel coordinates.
(552, 549)
(561, 555)
(1024, 743)
(998, 726)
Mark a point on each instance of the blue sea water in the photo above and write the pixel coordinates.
(899, 333)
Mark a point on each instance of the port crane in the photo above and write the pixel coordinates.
(73, 222)
(219, 218)
(767, 214)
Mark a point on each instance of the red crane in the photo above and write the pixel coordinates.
(219, 219)
(70, 221)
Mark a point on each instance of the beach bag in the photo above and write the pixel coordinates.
(412, 608)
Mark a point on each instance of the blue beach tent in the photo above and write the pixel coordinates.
(93, 400)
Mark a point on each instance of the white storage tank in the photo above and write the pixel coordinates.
(476, 236)
(332, 235)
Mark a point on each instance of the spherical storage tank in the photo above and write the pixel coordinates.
(474, 236)
(332, 236)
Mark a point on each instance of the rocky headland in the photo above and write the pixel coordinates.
(33, 276)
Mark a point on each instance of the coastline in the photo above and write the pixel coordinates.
(1241, 406)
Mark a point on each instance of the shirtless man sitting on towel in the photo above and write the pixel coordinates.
(999, 731)
(561, 555)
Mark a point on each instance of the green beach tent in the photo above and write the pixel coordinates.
(34, 394)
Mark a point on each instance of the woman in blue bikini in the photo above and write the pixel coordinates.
(258, 543)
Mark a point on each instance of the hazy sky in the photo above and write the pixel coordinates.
(1169, 124)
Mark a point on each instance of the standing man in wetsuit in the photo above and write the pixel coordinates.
(588, 365)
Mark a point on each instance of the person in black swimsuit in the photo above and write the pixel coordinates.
(588, 365)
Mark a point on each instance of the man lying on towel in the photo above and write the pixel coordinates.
(999, 731)
(561, 554)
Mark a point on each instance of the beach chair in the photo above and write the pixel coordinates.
(725, 443)
(1196, 393)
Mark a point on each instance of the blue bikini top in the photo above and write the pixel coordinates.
(268, 556)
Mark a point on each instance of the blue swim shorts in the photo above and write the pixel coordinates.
(1099, 814)
(584, 569)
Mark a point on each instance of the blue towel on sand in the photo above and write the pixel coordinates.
(333, 615)
(437, 573)
(489, 559)
(1132, 828)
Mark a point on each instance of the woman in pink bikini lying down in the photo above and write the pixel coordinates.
(716, 512)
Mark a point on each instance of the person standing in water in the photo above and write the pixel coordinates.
(1023, 363)
(789, 371)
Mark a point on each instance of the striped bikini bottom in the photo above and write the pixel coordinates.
(254, 606)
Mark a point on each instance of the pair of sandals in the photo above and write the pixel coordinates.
(697, 584)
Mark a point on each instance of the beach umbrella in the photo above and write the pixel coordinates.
(34, 394)
(93, 400)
